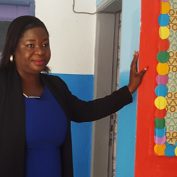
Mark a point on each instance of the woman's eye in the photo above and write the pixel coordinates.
(45, 45)
(30, 45)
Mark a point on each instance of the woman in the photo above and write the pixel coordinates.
(36, 109)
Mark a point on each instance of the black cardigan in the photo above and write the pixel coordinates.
(12, 118)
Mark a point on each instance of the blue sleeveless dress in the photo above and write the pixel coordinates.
(45, 132)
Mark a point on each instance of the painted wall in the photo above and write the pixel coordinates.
(74, 54)
(126, 139)
(72, 35)
(72, 40)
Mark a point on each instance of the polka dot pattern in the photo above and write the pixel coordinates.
(161, 89)
(159, 149)
(162, 79)
(160, 113)
(163, 44)
(165, 7)
(163, 56)
(163, 19)
(164, 32)
(162, 68)
(165, 114)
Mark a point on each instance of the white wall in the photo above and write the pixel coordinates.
(72, 36)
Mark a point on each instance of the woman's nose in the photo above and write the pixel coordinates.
(39, 50)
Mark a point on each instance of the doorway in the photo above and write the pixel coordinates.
(105, 81)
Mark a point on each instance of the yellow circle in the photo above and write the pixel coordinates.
(159, 149)
(162, 68)
(160, 102)
(164, 32)
(176, 151)
(165, 7)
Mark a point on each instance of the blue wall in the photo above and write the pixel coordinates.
(81, 86)
(126, 139)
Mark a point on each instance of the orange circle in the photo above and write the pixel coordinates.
(165, 7)
(160, 149)
(162, 68)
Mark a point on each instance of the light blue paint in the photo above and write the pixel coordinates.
(126, 140)
(99, 1)
(81, 86)
(130, 32)
(126, 136)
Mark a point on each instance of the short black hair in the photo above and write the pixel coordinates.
(15, 31)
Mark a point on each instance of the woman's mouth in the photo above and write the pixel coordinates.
(39, 62)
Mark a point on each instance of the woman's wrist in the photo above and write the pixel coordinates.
(131, 90)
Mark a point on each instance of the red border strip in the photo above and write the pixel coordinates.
(147, 164)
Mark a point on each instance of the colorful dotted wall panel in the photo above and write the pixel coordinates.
(156, 143)
(166, 91)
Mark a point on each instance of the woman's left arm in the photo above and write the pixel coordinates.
(102, 107)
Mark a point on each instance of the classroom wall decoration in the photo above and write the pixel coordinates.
(166, 89)
(156, 147)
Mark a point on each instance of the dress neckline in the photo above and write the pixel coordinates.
(33, 96)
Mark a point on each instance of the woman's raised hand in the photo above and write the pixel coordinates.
(135, 77)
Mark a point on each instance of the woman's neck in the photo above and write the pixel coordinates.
(32, 85)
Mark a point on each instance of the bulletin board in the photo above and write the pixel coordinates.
(156, 146)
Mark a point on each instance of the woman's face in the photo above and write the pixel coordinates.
(33, 51)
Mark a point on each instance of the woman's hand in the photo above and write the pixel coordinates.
(135, 76)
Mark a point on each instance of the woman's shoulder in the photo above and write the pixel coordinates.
(51, 77)
(54, 79)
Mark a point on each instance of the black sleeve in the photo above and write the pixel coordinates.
(98, 108)
(83, 111)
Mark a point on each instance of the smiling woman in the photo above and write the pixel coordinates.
(32, 56)
(33, 51)
(30, 51)
(35, 134)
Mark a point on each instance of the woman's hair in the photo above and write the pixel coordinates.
(15, 31)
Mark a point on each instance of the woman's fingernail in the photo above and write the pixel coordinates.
(146, 68)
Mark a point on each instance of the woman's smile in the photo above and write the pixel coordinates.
(33, 51)
(39, 62)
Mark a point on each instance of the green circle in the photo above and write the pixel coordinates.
(159, 123)
(163, 57)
